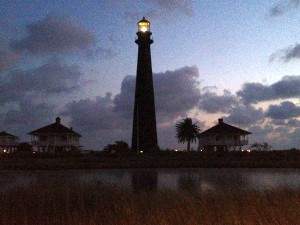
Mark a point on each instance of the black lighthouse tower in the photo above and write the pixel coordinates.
(144, 135)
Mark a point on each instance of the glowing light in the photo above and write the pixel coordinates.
(4, 151)
(144, 25)
(143, 29)
(141, 151)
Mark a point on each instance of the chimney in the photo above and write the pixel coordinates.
(58, 120)
(71, 128)
(220, 121)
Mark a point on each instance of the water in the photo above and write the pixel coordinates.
(191, 180)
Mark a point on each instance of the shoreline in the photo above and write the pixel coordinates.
(99, 160)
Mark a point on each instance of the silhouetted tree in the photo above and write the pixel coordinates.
(261, 146)
(187, 131)
(24, 147)
(117, 147)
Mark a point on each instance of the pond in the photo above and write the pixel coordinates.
(191, 180)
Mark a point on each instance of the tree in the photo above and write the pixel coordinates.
(117, 147)
(187, 131)
(24, 147)
(261, 146)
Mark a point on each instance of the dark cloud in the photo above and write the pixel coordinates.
(294, 139)
(98, 122)
(283, 111)
(255, 92)
(213, 103)
(29, 115)
(176, 92)
(124, 101)
(280, 137)
(105, 53)
(183, 6)
(286, 122)
(245, 115)
(293, 123)
(283, 7)
(163, 9)
(50, 78)
(8, 57)
(287, 87)
(108, 119)
(55, 34)
(287, 54)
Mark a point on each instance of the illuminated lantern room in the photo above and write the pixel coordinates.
(144, 25)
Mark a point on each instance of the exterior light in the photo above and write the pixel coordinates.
(141, 151)
(144, 26)
(4, 150)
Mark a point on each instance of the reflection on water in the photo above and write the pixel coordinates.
(144, 180)
(191, 180)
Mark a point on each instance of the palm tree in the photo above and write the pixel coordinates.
(188, 131)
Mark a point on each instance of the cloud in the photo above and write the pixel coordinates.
(97, 121)
(55, 34)
(293, 123)
(8, 57)
(29, 115)
(287, 54)
(283, 7)
(213, 103)
(245, 115)
(158, 9)
(105, 53)
(283, 111)
(183, 6)
(287, 87)
(109, 119)
(50, 78)
(286, 122)
(176, 92)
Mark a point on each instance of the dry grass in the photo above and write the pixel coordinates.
(68, 203)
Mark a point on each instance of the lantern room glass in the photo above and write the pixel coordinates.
(144, 25)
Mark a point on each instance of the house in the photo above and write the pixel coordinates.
(8, 142)
(223, 137)
(55, 138)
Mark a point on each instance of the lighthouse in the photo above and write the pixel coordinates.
(144, 134)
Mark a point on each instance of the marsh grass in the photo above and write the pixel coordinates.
(74, 203)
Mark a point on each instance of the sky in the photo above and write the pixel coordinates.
(234, 59)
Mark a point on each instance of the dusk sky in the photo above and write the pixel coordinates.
(237, 60)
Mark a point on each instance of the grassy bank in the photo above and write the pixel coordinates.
(274, 159)
(90, 204)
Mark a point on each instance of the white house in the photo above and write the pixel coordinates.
(223, 137)
(55, 138)
(8, 142)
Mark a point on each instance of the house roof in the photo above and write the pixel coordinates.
(224, 128)
(54, 128)
(4, 134)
